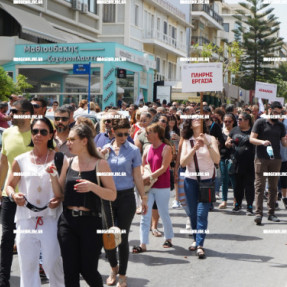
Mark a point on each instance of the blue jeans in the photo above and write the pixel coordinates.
(161, 196)
(225, 177)
(198, 210)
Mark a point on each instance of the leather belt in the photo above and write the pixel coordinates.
(77, 213)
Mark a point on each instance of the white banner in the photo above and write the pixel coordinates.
(280, 100)
(163, 93)
(206, 77)
(265, 91)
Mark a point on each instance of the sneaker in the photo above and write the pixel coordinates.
(236, 208)
(273, 218)
(285, 202)
(258, 219)
(187, 226)
(175, 204)
(249, 211)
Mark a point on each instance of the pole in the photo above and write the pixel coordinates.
(201, 111)
(89, 88)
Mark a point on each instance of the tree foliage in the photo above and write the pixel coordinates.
(257, 33)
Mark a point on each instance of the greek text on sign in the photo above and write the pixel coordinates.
(265, 90)
(203, 77)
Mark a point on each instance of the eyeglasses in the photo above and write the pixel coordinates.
(240, 119)
(63, 119)
(70, 139)
(227, 122)
(14, 111)
(107, 121)
(56, 105)
(43, 132)
(163, 121)
(36, 106)
(122, 135)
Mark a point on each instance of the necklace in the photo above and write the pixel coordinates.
(39, 188)
(80, 175)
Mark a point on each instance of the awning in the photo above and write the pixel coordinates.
(34, 25)
(70, 38)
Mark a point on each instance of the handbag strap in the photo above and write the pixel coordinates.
(196, 164)
(211, 127)
(102, 204)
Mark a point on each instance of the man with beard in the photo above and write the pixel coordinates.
(267, 132)
(14, 142)
(62, 122)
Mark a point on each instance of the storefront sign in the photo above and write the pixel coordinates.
(265, 91)
(206, 77)
(108, 73)
(108, 96)
(108, 85)
(51, 49)
(81, 69)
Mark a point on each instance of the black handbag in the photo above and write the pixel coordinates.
(206, 192)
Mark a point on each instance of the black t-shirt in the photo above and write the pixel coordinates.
(244, 150)
(216, 131)
(271, 132)
(225, 152)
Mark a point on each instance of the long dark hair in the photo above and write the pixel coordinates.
(84, 131)
(51, 131)
(230, 115)
(156, 128)
(187, 131)
(248, 117)
(175, 128)
(156, 120)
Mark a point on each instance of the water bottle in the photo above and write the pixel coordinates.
(269, 150)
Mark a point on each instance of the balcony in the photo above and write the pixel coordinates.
(165, 41)
(201, 41)
(206, 11)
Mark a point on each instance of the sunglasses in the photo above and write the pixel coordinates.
(64, 119)
(36, 106)
(122, 135)
(240, 119)
(14, 111)
(70, 139)
(43, 132)
(227, 122)
(163, 121)
(107, 121)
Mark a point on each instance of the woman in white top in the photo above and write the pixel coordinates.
(206, 150)
(37, 209)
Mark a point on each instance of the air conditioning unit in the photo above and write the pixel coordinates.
(76, 5)
(85, 8)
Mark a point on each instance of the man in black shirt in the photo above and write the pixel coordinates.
(266, 132)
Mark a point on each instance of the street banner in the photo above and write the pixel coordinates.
(202, 77)
(163, 93)
(265, 91)
(280, 100)
(261, 105)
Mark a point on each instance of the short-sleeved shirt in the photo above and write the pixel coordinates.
(129, 157)
(270, 132)
(63, 147)
(143, 140)
(14, 143)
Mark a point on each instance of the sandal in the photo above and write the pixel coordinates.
(192, 247)
(200, 252)
(111, 280)
(167, 244)
(138, 249)
(156, 233)
(122, 282)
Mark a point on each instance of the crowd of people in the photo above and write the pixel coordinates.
(61, 173)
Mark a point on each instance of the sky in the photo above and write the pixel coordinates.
(280, 10)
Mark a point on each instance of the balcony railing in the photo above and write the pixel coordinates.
(206, 8)
(199, 40)
(164, 38)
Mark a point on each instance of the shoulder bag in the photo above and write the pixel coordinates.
(206, 192)
(113, 238)
(148, 173)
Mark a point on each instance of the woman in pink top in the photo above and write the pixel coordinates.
(206, 149)
(159, 156)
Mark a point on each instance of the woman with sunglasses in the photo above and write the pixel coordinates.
(225, 156)
(80, 221)
(205, 148)
(244, 156)
(125, 158)
(36, 215)
(159, 156)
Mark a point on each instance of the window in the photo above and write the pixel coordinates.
(226, 27)
(169, 71)
(158, 65)
(109, 13)
(158, 24)
(93, 6)
(164, 30)
(136, 15)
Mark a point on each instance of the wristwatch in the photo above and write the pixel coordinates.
(11, 197)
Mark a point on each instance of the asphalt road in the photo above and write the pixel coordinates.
(239, 253)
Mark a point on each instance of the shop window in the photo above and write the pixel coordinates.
(226, 27)
(93, 6)
(109, 13)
